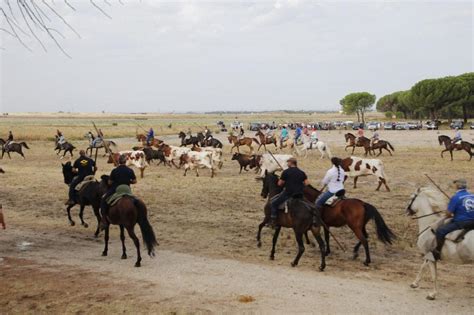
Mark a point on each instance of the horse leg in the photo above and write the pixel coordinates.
(320, 241)
(71, 221)
(299, 240)
(357, 246)
(132, 235)
(383, 181)
(81, 216)
(274, 241)
(434, 276)
(122, 238)
(355, 181)
(360, 235)
(451, 152)
(326, 239)
(380, 152)
(389, 151)
(106, 239)
(259, 232)
(308, 242)
(97, 216)
(415, 283)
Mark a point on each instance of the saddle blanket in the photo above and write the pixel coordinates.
(120, 192)
(87, 180)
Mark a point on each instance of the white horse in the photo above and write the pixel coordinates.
(422, 203)
(302, 149)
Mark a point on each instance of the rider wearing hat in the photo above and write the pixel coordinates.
(293, 180)
(461, 209)
(83, 166)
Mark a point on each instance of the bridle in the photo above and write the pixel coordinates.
(412, 212)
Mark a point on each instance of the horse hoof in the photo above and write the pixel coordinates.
(86, 225)
(259, 244)
(321, 268)
(137, 264)
(355, 256)
(366, 263)
(272, 258)
(413, 286)
(293, 264)
(72, 223)
(124, 256)
(104, 253)
(430, 297)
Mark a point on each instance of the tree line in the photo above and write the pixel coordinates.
(449, 97)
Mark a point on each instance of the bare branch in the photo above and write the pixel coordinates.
(69, 5)
(62, 19)
(100, 9)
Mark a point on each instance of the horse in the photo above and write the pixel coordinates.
(362, 142)
(13, 147)
(126, 213)
(351, 212)
(288, 142)
(264, 140)
(97, 144)
(382, 144)
(309, 145)
(209, 141)
(185, 142)
(450, 146)
(90, 195)
(238, 142)
(66, 146)
(154, 143)
(421, 204)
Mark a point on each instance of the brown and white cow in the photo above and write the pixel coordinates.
(355, 167)
(135, 158)
(194, 160)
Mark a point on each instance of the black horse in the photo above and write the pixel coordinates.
(13, 147)
(90, 195)
(194, 141)
(66, 146)
(450, 146)
(210, 142)
(299, 218)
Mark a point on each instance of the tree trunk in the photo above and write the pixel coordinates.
(464, 112)
(363, 116)
(358, 116)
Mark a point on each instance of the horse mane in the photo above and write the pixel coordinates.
(434, 196)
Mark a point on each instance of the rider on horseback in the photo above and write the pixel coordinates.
(83, 166)
(298, 132)
(60, 137)
(283, 135)
(457, 136)
(334, 180)
(314, 137)
(150, 136)
(9, 140)
(461, 209)
(121, 175)
(360, 134)
(293, 180)
(375, 138)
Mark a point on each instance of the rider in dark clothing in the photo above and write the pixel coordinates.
(293, 180)
(10, 136)
(83, 166)
(121, 175)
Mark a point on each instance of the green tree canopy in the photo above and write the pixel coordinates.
(358, 103)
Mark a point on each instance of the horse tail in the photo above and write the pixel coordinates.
(24, 144)
(391, 147)
(328, 151)
(112, 143)
(384, 233)
(147, 231)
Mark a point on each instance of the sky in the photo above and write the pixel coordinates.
(157, 56)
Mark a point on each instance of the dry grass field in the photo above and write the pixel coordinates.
(50, 266)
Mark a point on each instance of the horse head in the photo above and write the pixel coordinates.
(67, 172)
(444, 139)
(270, 184)
(230, 138)
(235, 156)
(182, 135)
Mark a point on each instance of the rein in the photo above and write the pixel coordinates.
(426, 215)
(426, 229)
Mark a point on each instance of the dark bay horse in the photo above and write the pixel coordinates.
(90, 195)
(299, 218)
(264, 140)
(209, 141)
(97, 144)
(126, 213)
(240, 142)
(155, 142)
(382, 144)
(450, 146)
(194, 141)
(13, 147)
(66, 146)
(362, 142)
(351, 212)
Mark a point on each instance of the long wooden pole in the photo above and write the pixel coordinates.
(436, 185)
(106, 146)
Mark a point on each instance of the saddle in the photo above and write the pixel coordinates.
(455, 236)
(120, 192)
(334, 200)
(86, 181)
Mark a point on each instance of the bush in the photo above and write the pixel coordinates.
(388, 115)
(399, 115)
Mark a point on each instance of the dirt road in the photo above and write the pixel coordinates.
(177, 282)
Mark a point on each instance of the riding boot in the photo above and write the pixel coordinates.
(439, 246)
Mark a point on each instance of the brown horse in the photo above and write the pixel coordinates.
(382, 144)
(351, 212)
(361, 142)
(238, 142)
(450, 146)
(264, 140)
(142, 138)
(126, 213)
(13, 147)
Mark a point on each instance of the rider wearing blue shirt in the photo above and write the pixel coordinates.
(297, 133)
(461, 208)
(149, 136)
(457, 136)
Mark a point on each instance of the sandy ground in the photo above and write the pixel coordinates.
(207, 259)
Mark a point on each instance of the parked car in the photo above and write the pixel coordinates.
(373, 125)
(457, 124)
(357, 125)
(431, 125)
(221, 126)
(402, 126)
(255, 126)
(388, 126)
(413, 125)
(472, 125)
(236, 124)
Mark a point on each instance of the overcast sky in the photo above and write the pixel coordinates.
(234, 55)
